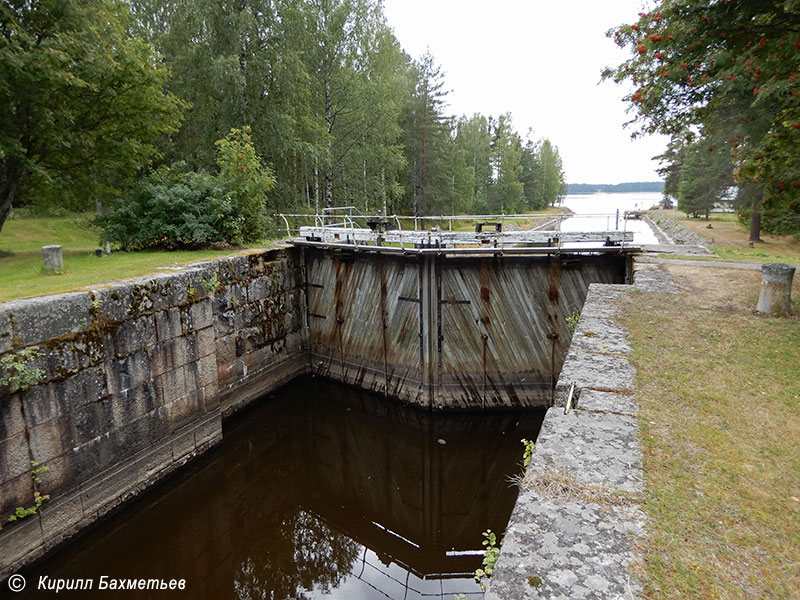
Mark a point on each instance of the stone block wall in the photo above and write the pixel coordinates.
(136, 377)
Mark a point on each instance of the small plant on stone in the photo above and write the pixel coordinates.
(16, 369)
(38, 498)
(491, 552)
(210, 284)
(37, 469)
(528, 452)
(572, 320)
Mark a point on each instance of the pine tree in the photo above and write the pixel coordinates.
(427, 130)
(506, 193)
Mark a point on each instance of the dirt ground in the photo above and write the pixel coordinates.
(725, 290)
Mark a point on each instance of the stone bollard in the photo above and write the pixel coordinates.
(53, 259)
(776, 290)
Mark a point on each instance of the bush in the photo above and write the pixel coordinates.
(780, 219)
(248, 179)
(172, 209)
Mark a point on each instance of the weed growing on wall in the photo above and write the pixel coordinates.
(572, 320)
(16, 371)
(491, 552)
(210, 285)
(528, 452)
(22, 512)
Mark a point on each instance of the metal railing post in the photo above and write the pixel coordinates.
(400, 229)
(288, 231)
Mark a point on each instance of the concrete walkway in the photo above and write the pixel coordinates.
(678, 249)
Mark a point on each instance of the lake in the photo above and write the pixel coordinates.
(596, 212)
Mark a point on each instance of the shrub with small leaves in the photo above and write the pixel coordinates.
(527, 454)
(173, 208)
(16, 371)
(490, 555)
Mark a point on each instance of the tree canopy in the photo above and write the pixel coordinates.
(81, 100)
(93, 92)
(723, 69)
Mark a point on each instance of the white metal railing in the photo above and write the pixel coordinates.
(343, 226)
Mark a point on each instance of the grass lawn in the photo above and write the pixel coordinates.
(719, 391)
(730, 239)
(21, 265)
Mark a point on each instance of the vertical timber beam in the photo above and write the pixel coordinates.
(339, 300)
(384, 326)
(628, 269)
(439, 334)
(485, 325)
(429, 327)
(553, 296)
(306, 306)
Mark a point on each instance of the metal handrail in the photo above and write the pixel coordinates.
(352, 214)
(474, 251)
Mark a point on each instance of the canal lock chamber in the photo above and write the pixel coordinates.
(484, 335)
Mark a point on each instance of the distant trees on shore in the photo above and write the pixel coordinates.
(637, 186)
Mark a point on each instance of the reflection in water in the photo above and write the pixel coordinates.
(304, 554)
(321, 491)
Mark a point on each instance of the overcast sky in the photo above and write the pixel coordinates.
(540, 60)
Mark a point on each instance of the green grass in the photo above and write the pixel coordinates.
(719, 398)
(731, 240)
(31, 233)
(21, 264)
(729, 253)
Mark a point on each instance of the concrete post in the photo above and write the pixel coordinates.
(53, 258)
(776, 289)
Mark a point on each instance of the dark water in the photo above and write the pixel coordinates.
(319, 492)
